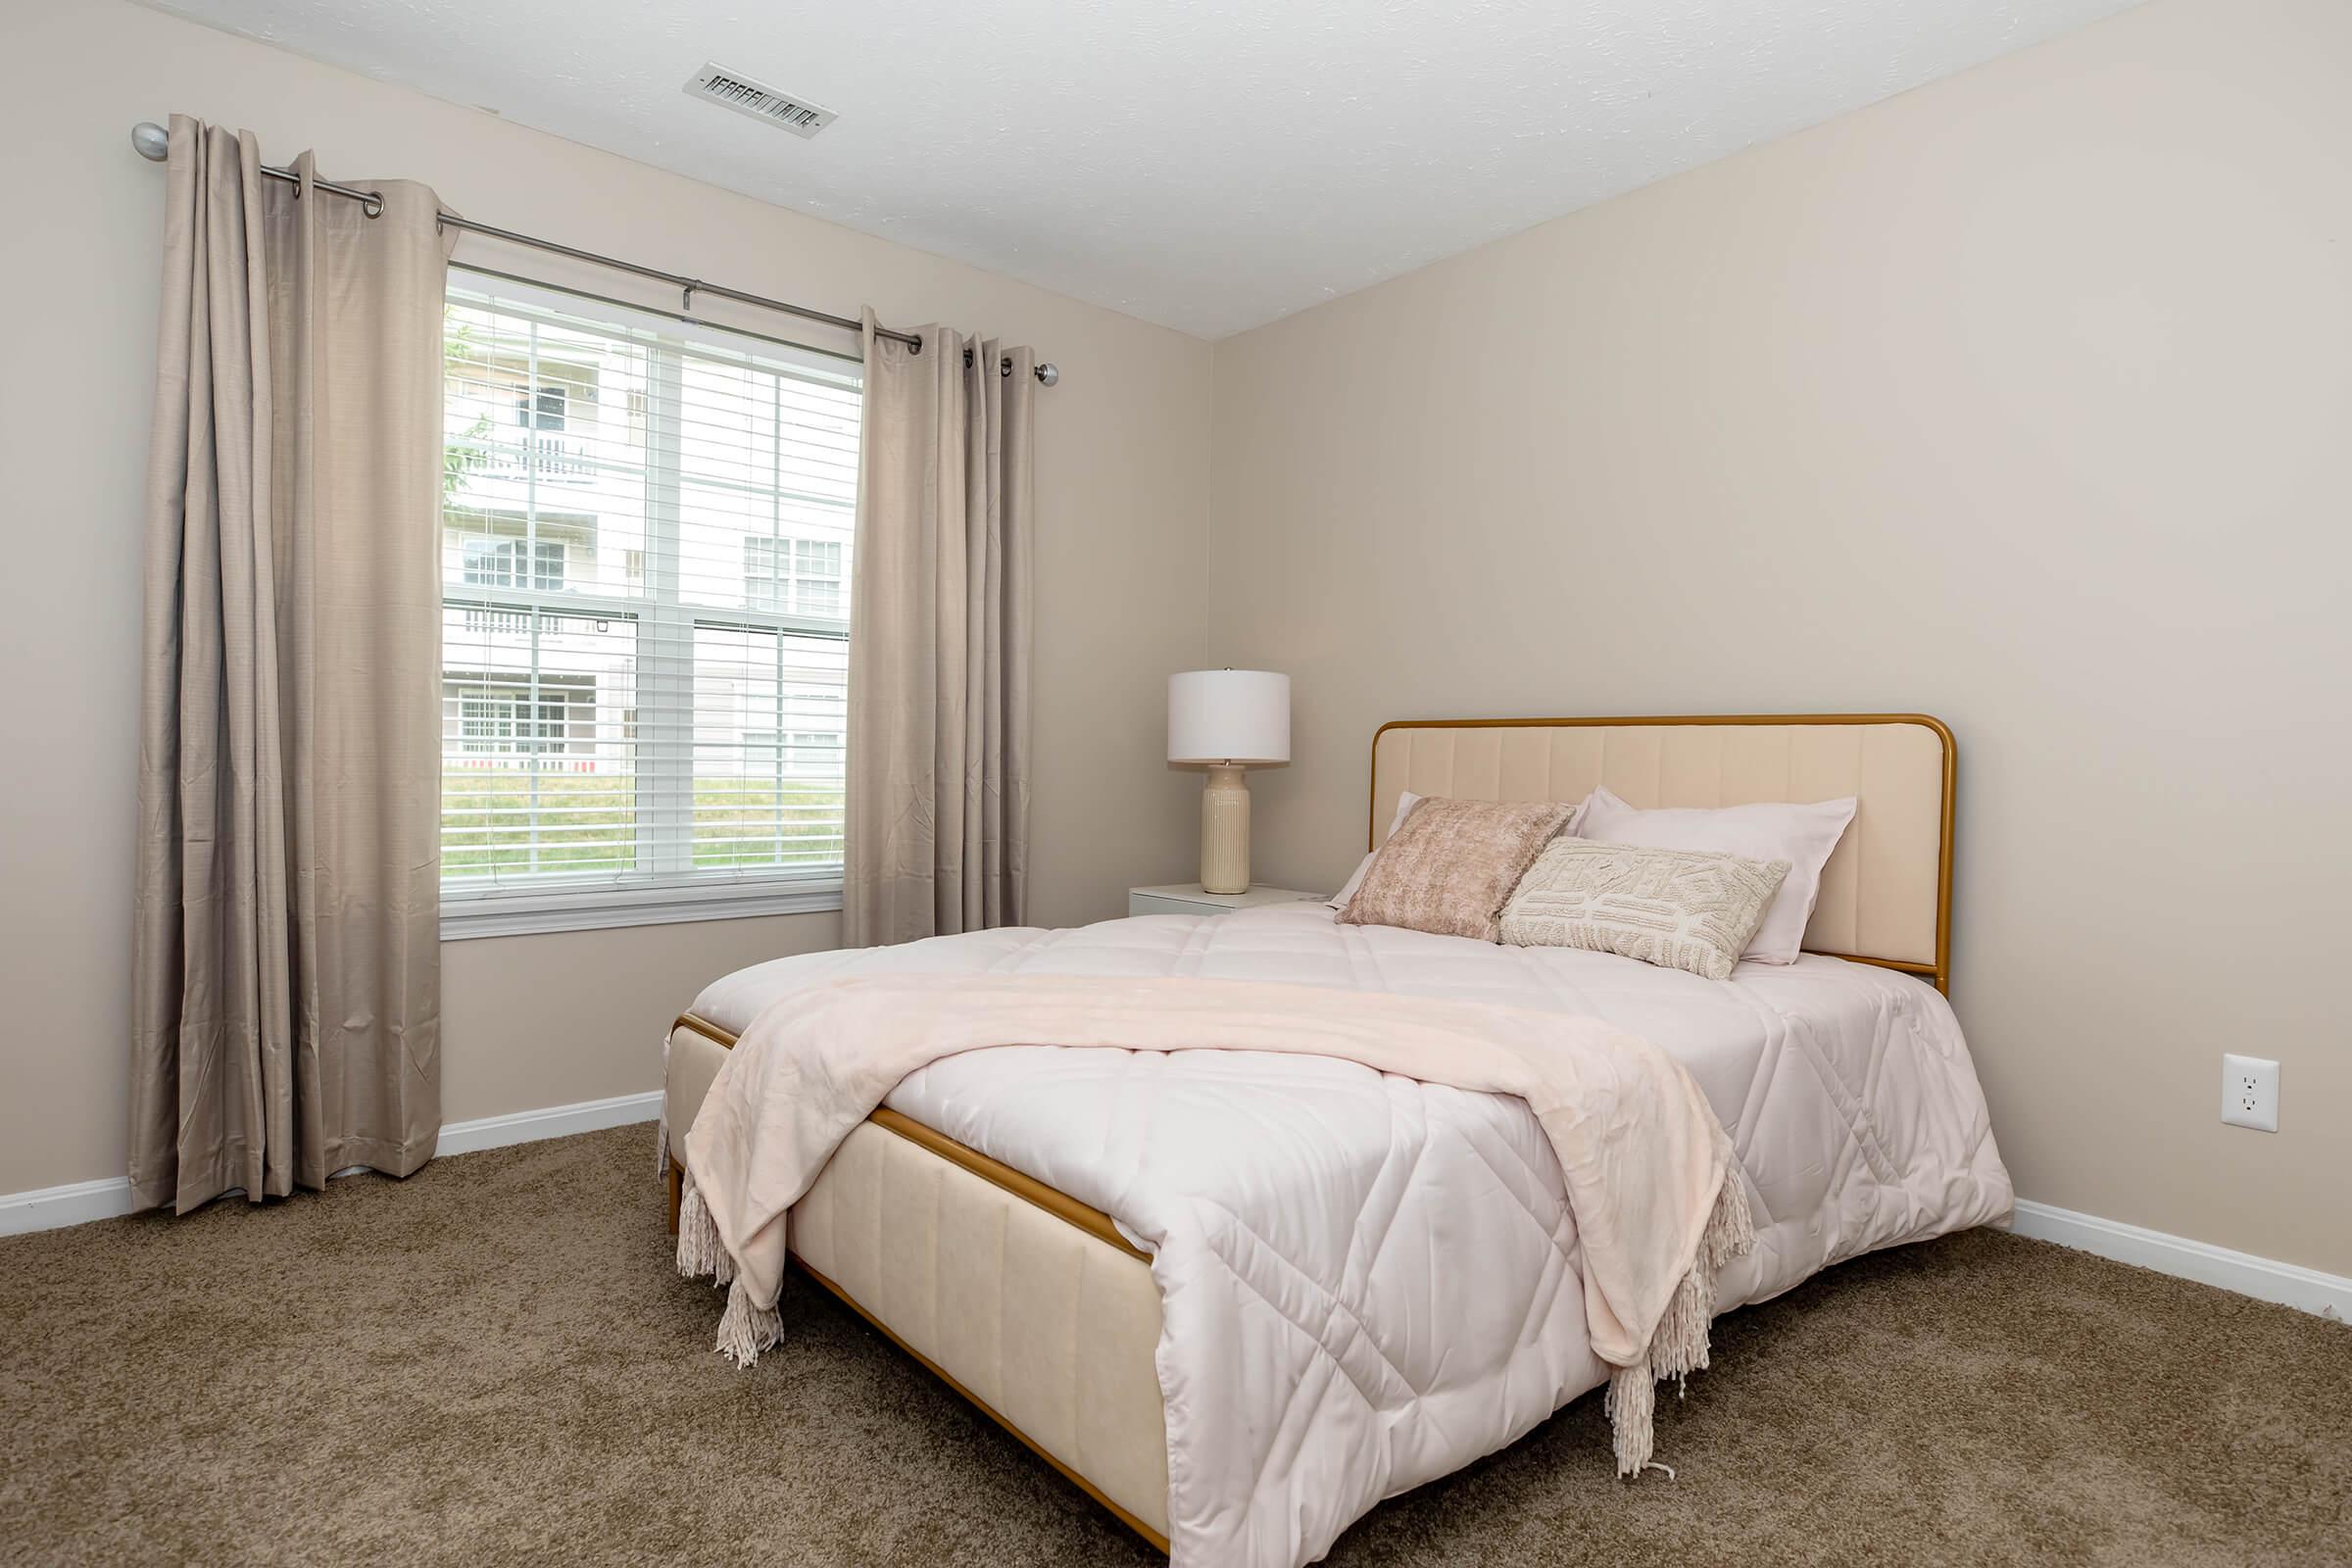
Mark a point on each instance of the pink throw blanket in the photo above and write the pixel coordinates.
(1649, 1173)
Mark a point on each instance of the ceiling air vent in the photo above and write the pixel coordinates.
(740, 93)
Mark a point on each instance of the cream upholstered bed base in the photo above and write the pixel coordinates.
(1008, 1291)
(1032, 1305)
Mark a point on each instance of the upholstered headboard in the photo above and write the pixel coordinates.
(1887, 893)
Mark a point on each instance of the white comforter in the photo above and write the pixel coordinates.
(1368, 1282)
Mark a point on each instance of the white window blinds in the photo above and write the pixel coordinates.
(646, 538)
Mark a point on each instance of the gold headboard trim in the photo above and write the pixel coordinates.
(1938, 971)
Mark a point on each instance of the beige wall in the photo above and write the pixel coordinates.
(2022, 399)
(2025, 399)
(1122, 475)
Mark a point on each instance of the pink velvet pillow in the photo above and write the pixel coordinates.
(1406, 802)
(1450, 869)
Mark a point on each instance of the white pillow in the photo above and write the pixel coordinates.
(1801, 835)
(1406, 802)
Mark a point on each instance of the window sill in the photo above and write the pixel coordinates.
(536, 913)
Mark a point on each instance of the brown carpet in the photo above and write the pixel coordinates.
(493, 1363)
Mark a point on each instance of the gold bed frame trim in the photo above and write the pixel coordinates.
(1058, 1203)
(1940, 971)
(1029, 1189)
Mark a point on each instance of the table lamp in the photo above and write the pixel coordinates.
(1228, 721)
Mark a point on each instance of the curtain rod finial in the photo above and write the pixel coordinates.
(152, 140)
(1048, 374)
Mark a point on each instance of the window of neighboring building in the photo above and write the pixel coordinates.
(501, 716)
(647, 531)
(513, 564)
(542, 410)
(799, 575)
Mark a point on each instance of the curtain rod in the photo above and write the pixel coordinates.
(154, 143)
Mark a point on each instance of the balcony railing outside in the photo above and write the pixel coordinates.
(555, 458)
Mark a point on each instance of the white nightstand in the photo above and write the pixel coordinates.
(1188, 898)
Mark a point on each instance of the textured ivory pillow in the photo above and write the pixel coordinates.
(1678, 909)
(1803, 835)
(1452, 863)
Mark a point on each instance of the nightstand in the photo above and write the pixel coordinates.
(1188, 898)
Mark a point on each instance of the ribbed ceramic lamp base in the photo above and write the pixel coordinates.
(1225, 832)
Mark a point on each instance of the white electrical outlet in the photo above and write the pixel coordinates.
(2250, 1092)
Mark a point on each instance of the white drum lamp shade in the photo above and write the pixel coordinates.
(1228, 720)
(1229, 716)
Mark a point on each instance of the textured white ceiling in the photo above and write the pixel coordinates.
(1205, 163)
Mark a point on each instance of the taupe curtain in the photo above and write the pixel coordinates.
(286, 994)
(938, 808)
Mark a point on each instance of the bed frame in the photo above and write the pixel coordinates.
(904, 1220)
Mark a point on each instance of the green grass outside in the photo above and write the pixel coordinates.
(587, 822)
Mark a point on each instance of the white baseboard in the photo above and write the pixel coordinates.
(45, 1208)
(556, 1121)
(2264, 1279)
(48, 1207)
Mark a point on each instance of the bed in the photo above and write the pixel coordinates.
(995, 1220)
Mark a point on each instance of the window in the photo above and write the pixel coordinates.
(498, 716)
(793, 574)
(798, 754)
(512, 564)
(646, 542)
(545, 412)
